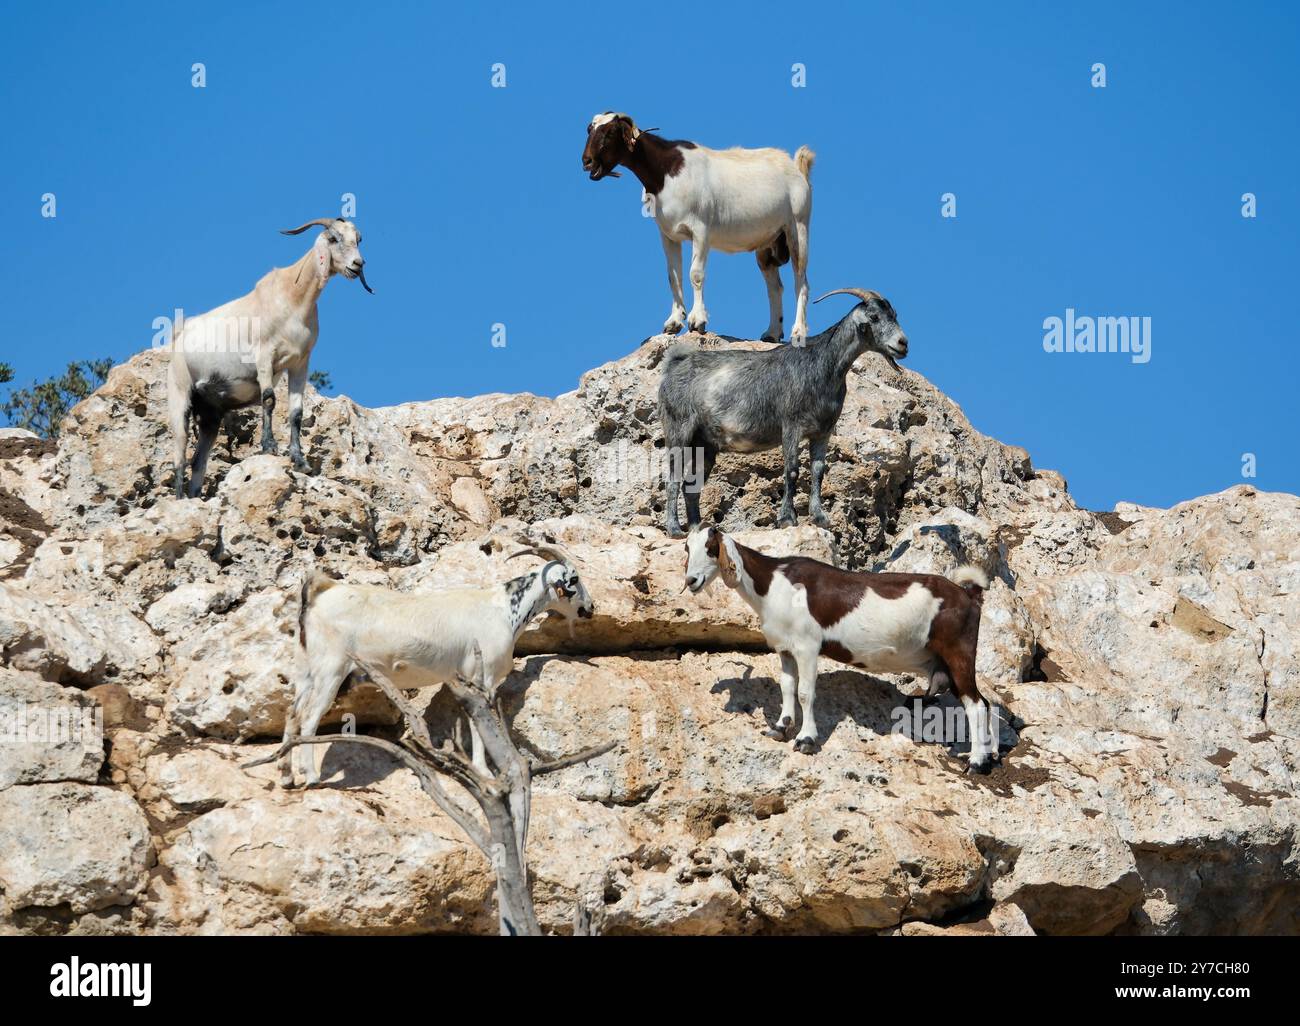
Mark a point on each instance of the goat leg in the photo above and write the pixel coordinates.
(789, 680)
(806, 741)
(770, 266)
(180, 439)
(673, 256)
(268, 406)
(701, 458)
(698, 319)
(817, 455)
(790, 450)
(799, 259)
(688, 468)
(198, 469)
(297, 382)
(673, 526)
(178, 478)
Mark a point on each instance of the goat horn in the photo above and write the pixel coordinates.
(866, 295)
(324, 222)
(546, 552)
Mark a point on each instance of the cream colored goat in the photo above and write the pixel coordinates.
(417, 639)
(233, 355)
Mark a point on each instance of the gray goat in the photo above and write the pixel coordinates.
(737, 400)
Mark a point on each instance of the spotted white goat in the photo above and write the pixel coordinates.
(233, 355)
(737, 200)
(887, 623)
(417, 640)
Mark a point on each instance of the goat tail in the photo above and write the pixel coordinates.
(803, 160)
(972, 580)
(677, 352)
(312, 585)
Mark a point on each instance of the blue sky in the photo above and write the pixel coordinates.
(1115, 202)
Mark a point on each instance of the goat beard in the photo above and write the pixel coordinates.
(566, 618)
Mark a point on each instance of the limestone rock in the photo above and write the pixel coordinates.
(43, 639)
(70, 843)
(234, 676)
(1144, 665)
(47, 732)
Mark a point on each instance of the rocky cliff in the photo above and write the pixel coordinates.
(1146, 663)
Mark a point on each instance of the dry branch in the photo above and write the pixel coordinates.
(503, 794)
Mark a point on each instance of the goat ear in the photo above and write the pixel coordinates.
(727, 563)
(629, 134)
(321, 255)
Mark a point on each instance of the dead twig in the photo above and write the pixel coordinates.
(503, 793)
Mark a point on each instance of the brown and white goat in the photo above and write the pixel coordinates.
(738, 200)
(887, 623)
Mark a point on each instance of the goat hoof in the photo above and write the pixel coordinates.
(781, 732)
(821, 519)
(299, 463)
(805, 745)
(672, 327)
(769, 337)
(982, 768)
(674, 531)
(785, 521)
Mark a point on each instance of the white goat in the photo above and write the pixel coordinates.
(417, 640)
(736, 200)
(233, 355)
